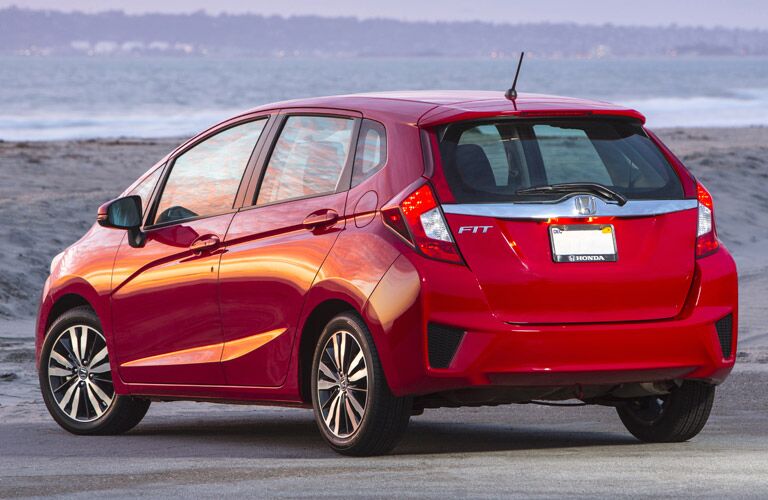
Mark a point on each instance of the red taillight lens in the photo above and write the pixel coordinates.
(394, 219)
(419, 220)
(706, 235)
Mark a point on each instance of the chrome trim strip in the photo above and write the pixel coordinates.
(569, 208)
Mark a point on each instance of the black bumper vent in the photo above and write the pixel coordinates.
(725, 334)
(442, 342)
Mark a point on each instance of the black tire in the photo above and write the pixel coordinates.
(672, 418)
(385, 417)
(123, 412)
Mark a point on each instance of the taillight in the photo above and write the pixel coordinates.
(706, 235)
(419, 220)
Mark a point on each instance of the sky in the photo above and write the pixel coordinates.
(729, 13)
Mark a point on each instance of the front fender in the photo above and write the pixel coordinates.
(67, 286)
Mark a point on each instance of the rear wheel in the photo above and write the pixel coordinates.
(671, 418)
(76, 378)
(354, 408)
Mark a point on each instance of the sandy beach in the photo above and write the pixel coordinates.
(49, 193)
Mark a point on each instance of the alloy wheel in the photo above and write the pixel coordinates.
(342, 384)
(79, 374)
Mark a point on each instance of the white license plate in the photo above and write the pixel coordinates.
(583, 243)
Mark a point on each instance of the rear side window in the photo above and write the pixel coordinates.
(371, 151)
(308, 158)
(205, 179)
(489, 162)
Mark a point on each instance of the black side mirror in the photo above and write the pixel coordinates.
(123, 213)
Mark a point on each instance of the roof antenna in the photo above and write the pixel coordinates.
(511, 93)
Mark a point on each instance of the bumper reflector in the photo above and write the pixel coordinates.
(442, 343)
(724, 329)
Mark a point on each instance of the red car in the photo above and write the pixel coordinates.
(374, 255)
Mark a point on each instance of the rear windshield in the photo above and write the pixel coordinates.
(491, 161)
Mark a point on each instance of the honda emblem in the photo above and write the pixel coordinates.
(585, 205)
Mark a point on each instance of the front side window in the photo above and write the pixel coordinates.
(145, 188)
(491, 162)
(308, 158)
(205, 179)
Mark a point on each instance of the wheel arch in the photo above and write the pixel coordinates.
(74, 293)
(313, 326)
(63, 304)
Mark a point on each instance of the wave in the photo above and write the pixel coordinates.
(147, 123)
(741, 108)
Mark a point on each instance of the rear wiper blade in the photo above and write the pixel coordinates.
(576, 187)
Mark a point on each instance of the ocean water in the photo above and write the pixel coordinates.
(67, 98)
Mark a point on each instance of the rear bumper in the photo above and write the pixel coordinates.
(593, 354)
(492, 353)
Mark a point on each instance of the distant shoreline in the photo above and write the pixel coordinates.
(381, 57)
(58, 32)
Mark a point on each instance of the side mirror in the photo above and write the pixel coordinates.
(123, 213)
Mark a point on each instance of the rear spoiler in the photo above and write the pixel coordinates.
(455, 114)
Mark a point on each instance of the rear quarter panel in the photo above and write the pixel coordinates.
(365, 249)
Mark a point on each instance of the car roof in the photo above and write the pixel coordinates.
(434, 107)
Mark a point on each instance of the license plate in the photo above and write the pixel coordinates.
(583, 243)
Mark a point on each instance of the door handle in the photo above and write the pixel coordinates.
(205, 243)
(320, 218)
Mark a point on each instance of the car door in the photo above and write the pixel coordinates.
(165, 308)
(276, 246)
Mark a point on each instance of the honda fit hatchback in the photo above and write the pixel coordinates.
(371, 256)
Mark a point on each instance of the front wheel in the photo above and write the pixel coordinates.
(671, 418)
(354, 408)
(76, 378)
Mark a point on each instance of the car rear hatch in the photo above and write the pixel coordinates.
(567, 220)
